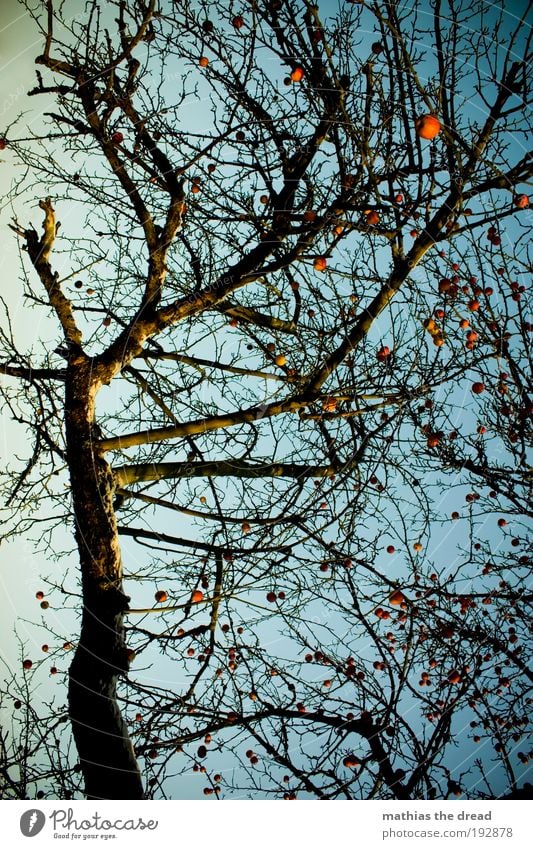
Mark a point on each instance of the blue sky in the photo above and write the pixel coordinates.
(20, 566)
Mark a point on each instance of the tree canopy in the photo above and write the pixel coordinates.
(285, 402)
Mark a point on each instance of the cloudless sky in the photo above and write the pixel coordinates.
(20, 568)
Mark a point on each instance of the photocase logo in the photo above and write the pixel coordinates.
(32, 822)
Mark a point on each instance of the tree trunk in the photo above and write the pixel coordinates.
(105, 750)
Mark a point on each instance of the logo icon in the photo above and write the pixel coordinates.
(32, 822)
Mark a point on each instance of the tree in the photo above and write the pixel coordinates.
(291, 340)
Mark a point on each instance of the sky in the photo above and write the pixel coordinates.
(20, 567)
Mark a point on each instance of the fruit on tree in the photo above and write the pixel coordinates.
(329, 404)
(427, 126)
(396, 598)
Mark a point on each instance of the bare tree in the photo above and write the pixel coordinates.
(291, 377)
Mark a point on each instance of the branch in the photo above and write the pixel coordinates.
(142, 533)
(259, 319)
(220, 422)
(137, 472)
(31, 374)
(199, 363)
(39, 252)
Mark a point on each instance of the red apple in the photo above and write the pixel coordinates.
(383, 354)
(427, 126)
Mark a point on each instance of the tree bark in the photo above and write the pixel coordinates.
(105, 750)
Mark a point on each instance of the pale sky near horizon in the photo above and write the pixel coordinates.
(20, 567)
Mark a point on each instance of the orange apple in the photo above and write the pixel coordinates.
(427, 126)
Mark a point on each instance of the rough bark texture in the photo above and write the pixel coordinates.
(105, 750)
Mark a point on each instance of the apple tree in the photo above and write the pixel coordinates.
(284, 405)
